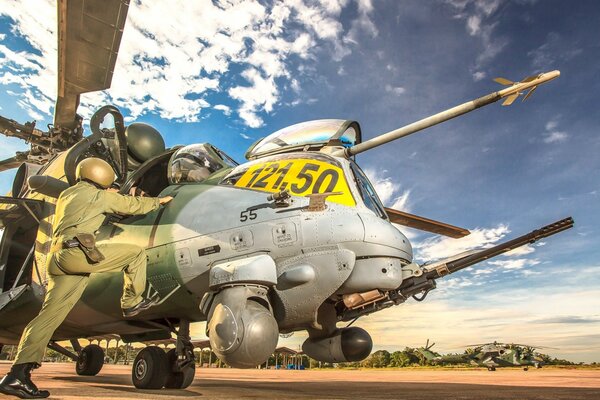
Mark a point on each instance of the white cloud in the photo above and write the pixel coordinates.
(521, 251)
(396, 90)
(556, 137)
(550, 125)
(478, 16)
(518, 263)
(390, 193)
(173, 56)
(556, 50)
(479, 75)
(438, 247)
(244, 136)
(363, 23)
(473, 25)
(482, 271)
(222, 107)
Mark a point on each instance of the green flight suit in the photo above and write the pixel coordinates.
(82, 208)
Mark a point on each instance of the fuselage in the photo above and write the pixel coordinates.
(220, 220)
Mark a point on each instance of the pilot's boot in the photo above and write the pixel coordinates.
(18, 383)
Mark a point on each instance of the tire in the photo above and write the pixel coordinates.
(525, 368)
(90, 360)
(179, 380)
(150, 368)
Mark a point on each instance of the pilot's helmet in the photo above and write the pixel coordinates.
(193, 163)
(95, 170)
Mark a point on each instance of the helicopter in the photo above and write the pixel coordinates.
(489, 355)
(294, 239)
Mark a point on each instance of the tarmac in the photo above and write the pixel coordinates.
(114, 382)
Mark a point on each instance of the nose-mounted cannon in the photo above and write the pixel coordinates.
(419, 280)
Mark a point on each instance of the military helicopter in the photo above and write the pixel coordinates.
(489, 355)
(295, 239)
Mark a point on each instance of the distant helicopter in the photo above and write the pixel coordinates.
(490, 355)
(295, 239)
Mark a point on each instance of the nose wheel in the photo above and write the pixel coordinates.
(90, 360)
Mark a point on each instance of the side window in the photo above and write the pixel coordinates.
(367, 192)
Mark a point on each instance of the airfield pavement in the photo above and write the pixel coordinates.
(114, 382)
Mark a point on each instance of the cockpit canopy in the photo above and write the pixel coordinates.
(314, 134)
(196, 162)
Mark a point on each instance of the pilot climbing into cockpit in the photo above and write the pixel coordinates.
(74, 255)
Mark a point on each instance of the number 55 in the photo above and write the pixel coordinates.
(248, 214)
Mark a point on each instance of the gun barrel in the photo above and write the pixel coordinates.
(461, 263)
(443, 116)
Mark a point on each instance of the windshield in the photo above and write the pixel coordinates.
(307, 133)
(367, 192)
(196, 162)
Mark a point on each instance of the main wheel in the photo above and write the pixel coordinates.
(525, 368)
(90, 360)
(150, 368)
(179, 380)
(491, 368)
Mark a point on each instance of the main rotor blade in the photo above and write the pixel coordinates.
(89, 36)
(10, 163)
(425, 224)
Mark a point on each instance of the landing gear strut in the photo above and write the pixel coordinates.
(88, 360)
(154, 369)
(182, 365)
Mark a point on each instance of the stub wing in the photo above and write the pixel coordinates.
(425, 224)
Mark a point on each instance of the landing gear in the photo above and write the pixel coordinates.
(492, 368)
(154, 369)
(182, 366)
(525, 368)
(90, 360)
(180, 379)
(150, 368)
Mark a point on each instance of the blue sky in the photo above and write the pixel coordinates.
(230, 72)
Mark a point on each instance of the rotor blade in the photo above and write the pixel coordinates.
(503, 81)
(89, 35)
(529, 93)
(425, 224)
(10, 163)
(510, 99)
(534, 347)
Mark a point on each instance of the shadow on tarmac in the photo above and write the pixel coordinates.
(229, 388)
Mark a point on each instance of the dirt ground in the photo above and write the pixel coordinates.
(114, 382)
